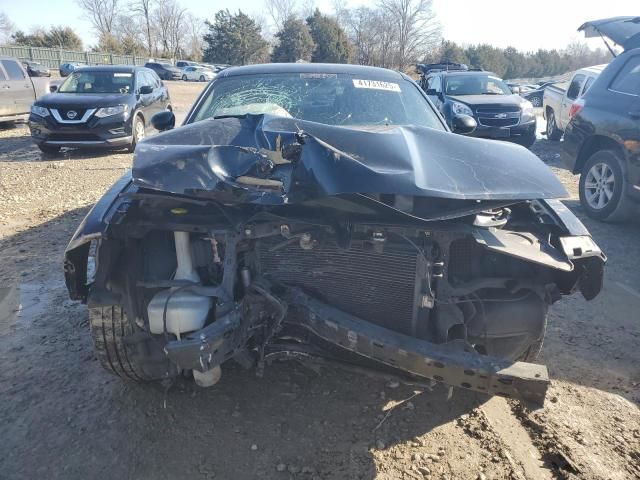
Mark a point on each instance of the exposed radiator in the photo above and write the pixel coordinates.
(377, 287)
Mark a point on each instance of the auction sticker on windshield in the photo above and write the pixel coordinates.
(376, 85)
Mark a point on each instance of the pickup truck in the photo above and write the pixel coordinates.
(17, 90)
(558, 100)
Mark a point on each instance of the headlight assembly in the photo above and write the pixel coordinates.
(461, 109)
(41, 111)
(110, 111)
(527, 110)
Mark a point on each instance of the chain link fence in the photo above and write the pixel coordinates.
(54, 57)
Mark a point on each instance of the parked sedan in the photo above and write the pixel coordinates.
(199, 74)
(35, 69)
(66, 69)
(101, 106)
(165, 71)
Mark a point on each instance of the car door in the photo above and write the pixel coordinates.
(572, 94)
(19, 86)
(145, 100)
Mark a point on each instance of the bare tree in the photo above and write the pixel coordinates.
(143, 9)
(6, 27)
(195, 32)
(101, 13)
(168, 18)
(416, 28)
(280, 10)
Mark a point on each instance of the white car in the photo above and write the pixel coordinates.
(200, 74)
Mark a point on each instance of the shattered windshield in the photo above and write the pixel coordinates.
(333, 99)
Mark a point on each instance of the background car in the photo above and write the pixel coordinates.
(101, 106)
(35, 69)
(601, 142)
(185, 63)
(165, 71)
(17, 90)
(499, 113)
(199, 74)
(65, 69)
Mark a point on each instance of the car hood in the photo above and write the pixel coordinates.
(82, 100)
(625, 31)
(276, 160)
(511, 100)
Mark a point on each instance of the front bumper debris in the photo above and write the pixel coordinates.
(446, 363)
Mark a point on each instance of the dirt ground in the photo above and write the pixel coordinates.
(63, 417)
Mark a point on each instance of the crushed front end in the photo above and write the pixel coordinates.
(455, 290)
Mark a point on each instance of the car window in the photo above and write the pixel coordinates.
(476, 84)
(628, 79)
(587, 84)
(13, 69)
(332, 99)
(89, 81)
(154, 78)
(574, 88)
(436, 84)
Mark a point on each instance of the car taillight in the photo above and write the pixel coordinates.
(576, 107)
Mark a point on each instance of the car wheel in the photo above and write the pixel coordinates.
(202, 79)
(602, 186)
(184, 78)
(553, 132)
(528, 139)
(109, 326)
(138, 132)
(536, 101)
(50, 149)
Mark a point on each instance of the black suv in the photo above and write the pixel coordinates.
(499, 113)
(100, 106)
(602, 140)
(165, 71)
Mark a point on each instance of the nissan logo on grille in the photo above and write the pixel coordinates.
(71, 114)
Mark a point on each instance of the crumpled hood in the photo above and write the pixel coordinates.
(276, 160)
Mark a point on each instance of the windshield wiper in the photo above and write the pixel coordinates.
(492, 93)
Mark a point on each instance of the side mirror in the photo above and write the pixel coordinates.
(162, 121)
(463, 124)
(432, 92)
(146, 90)
(53, 88)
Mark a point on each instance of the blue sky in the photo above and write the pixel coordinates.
(526, 25)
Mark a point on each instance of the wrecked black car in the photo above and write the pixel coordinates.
(309, 210)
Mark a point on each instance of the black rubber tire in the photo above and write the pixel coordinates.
(135, 140)
(535, 348)
(202, 79)
(49, 149)
(527, 140)
(620, 207)
(184, 78)
(536, 101)
(553, 132)
(109, 326)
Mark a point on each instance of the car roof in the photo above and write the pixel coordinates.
(337, 68)
(467, 73)
(594, 70)
(109, 68)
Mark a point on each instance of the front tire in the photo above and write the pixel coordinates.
(553, 132)
(184, 78)
(48, 149)
(109, 326)
(536, 101)
(137, 131)
(202, 79)
(528, 139)
(602, 186)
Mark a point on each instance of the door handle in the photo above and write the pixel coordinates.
(634, 113)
